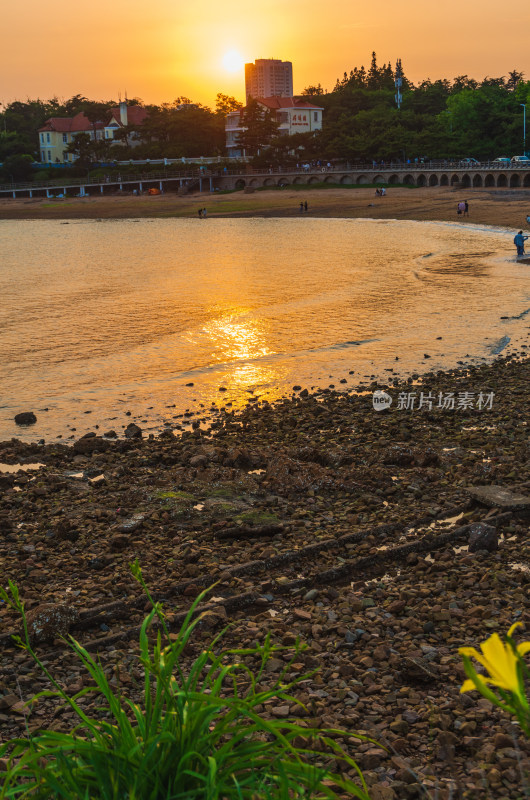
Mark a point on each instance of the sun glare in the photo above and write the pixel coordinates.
(233, 61)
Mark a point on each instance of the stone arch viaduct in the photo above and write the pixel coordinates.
(478, 176)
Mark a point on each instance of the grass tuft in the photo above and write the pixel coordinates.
(195, 734)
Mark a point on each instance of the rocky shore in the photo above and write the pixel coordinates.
(385, 540)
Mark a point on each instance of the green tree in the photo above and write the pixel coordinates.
(97, 114)
(313, 91)
(260, 127)
(18, 167)
(225, 103)
(82, 147)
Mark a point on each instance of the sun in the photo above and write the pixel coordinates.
(233, 61)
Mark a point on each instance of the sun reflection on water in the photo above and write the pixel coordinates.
(234, 339)
(240, 343)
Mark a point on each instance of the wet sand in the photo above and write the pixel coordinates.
(501, 207)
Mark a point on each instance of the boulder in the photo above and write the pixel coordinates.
(25, 418)
(483, 537)
(499, 497)
(50, 620)
(133, 431)
(90, 444)
(198, 461)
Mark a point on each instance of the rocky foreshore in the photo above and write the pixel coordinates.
(385, 540)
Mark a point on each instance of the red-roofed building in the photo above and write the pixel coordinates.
(294, 114)
(57, 132)
(122, 116)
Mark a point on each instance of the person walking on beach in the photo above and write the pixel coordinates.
(305, 205)
(301, 207)
(204, 213)
(199, 212)
(466, 208)
(519, 241)
(461, 207)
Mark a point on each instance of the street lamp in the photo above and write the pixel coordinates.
(524, 127)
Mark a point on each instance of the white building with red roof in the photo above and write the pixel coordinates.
(123, 116)
(294, 114)
(58, 132)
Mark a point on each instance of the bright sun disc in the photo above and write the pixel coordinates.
(232, 61)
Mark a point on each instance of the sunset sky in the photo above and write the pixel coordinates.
(163, 49)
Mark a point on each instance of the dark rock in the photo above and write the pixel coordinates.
(25, 418)
(133, 431)
(119, 541)
(483, 537)
(198, 461)
(111, 435)
(132, 524)
(50, 620)
(66, 532)
(90, 444)
(428, 627)
(499, 497)
(416, 669)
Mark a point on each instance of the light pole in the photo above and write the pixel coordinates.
(524, 127)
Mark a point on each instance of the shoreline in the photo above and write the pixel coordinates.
(501, 207)
(319, 517)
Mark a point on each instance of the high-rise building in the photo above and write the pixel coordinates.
(269, 77)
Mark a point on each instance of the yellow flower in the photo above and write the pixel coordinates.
(500, 660)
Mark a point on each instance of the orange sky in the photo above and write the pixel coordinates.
(161, 49)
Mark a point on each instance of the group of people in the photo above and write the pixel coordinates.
(202, 213)
(463, 208)
(303, 206)
(380, 192)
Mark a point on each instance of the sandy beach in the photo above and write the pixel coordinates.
(501, 207)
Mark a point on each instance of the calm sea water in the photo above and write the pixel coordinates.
(101, 317)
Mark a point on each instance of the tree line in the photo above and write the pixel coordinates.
(441, 119)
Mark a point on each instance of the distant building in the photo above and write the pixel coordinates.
(122, 116)
(58, 132)
(269, 77)
(294, 114)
